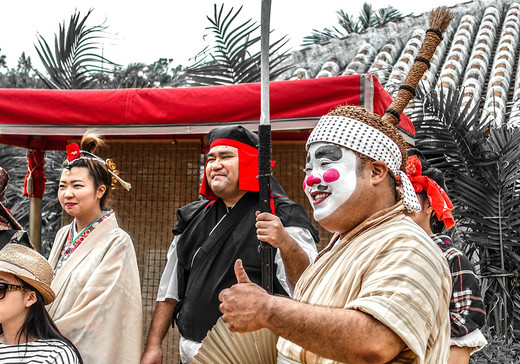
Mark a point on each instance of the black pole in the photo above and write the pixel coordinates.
(264, 136)
(264, 180)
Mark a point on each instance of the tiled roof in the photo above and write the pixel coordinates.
(479, 55)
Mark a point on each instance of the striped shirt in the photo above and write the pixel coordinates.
(389, 268)
(51, 351)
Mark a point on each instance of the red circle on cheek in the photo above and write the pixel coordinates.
(331, 175)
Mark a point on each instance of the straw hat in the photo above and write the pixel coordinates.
(30, 266)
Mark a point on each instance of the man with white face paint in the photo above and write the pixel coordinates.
(332, 180)
(379, 292)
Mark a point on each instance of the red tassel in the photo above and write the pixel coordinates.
(34, 183)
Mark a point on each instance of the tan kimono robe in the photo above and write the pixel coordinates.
(98, 295)
(389, 268)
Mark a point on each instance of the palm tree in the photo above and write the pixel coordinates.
(76, 57)
(231, 59)
(482, 167)
(368, 18)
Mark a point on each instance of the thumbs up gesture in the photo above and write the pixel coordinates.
(241, 273)
(244, 305)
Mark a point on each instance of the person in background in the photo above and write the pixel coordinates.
(467, 311)
(98, 294)
(27, 333)
(211, 234)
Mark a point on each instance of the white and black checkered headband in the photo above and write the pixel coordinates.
(362, 138)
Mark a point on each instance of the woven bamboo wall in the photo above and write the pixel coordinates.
(164, 177)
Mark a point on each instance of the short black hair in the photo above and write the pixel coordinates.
(238, 133)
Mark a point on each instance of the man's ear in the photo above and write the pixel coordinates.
(379, 172)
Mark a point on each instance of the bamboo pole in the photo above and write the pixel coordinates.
(35, 222)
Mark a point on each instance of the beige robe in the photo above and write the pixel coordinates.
(389, 268)
(98, 295)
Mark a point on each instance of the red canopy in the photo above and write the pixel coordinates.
(46, 119)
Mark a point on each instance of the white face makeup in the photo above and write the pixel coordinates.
(330, 177)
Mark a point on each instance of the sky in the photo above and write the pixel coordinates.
(145, 31)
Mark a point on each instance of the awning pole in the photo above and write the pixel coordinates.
(35, 222)
(34, 188)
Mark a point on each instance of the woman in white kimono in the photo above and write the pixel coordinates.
(98, 296)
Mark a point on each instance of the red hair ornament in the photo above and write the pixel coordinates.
(73, 152)
(438, 198)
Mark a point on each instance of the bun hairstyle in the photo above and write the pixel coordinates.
(91, 142)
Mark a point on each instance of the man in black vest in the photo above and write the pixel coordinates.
(211, 234)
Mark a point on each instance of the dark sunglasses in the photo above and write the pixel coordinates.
(4, 287)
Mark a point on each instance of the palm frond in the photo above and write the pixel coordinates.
(75, 57)
(367, 18)
(389, 14)
(323, 36)
(233, 58)
(482, 168)
(347, 22)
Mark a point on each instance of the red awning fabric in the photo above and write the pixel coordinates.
(47, 119)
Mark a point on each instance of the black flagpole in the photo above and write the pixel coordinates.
(264, 135)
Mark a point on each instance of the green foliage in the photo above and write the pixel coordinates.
(367, 18)
(160, 72)
(2, 60)
(14, 161)
(139, 75)
(232, 59)
(76, 57)
(481, 162)
(22, 76)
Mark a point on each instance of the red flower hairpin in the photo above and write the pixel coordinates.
(438, 198)
(73, 152)
(413, 166)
